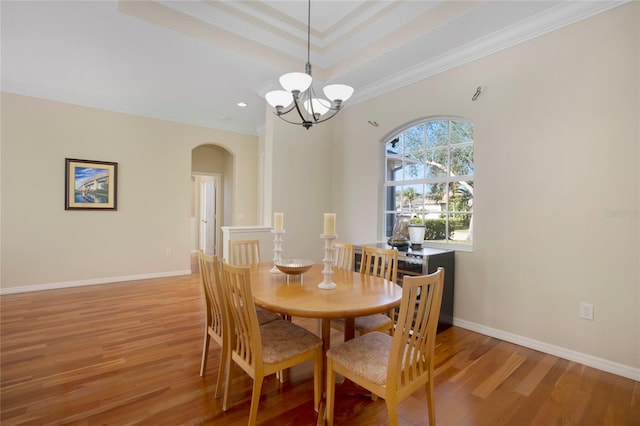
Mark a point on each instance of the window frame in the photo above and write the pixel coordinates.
(385, 184)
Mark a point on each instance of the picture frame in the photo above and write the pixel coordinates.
(90, 185)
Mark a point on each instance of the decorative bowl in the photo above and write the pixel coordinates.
(294, 266)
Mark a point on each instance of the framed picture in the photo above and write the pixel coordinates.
(90, 185)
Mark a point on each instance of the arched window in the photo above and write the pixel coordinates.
(429, 176)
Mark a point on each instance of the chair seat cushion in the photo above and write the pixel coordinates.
(265, 316)
(373, 322)
(366, 355)
(376, 322)
(283, 340)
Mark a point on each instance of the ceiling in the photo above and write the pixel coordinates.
(193, 61)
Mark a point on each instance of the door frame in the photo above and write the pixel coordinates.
(217, 178)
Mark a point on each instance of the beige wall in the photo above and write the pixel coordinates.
(556, 184)
(302, 182)
(45, 246)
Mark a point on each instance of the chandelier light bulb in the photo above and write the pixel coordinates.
(279, 98)
(320, 106)
(338, 92)
(295, 81)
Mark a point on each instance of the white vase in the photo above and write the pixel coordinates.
(416, 234)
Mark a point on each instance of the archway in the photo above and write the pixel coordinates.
(211, 196)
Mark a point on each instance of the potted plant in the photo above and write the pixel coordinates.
(416, 230)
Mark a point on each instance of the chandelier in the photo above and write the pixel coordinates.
(299, 96)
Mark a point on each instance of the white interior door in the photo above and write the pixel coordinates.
(209, 213)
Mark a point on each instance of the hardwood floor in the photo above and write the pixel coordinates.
(129, 353)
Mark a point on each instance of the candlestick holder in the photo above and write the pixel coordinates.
(277, 250)
(327, 284)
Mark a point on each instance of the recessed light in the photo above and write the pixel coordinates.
(242, 104)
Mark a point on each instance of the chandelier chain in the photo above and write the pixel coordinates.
(309, 33)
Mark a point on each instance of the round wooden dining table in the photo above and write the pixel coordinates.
(356, 295)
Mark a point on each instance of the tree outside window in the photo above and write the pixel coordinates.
(429, 174)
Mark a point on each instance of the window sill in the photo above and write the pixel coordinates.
(455, 247)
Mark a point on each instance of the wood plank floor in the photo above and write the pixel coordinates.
(129, 353)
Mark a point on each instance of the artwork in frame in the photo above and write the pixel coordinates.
(90, 185)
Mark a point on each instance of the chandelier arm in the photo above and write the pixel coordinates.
(328, 117)
(291, 122)
(307, 122)
(311, 93)
(287, 111)
(302, 117)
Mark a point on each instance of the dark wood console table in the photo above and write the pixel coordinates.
(421, 262)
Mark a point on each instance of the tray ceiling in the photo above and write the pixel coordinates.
(193, 61)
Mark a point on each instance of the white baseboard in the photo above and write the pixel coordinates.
(93, 281)
(589, 360)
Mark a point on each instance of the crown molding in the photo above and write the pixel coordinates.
(563, 15)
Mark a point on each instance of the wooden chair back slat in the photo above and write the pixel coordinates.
(380, 262)
(244, 252)
(343, 255)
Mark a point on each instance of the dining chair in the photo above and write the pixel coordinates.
(244, 252)
(343, 255)
(379, 262)
(247, 252)
(394, 367)
(215, 326)
(267, 349)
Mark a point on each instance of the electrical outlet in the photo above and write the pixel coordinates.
(167, 252)
(586, 310)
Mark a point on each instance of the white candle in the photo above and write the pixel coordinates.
(278, 220)
(329, 224)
